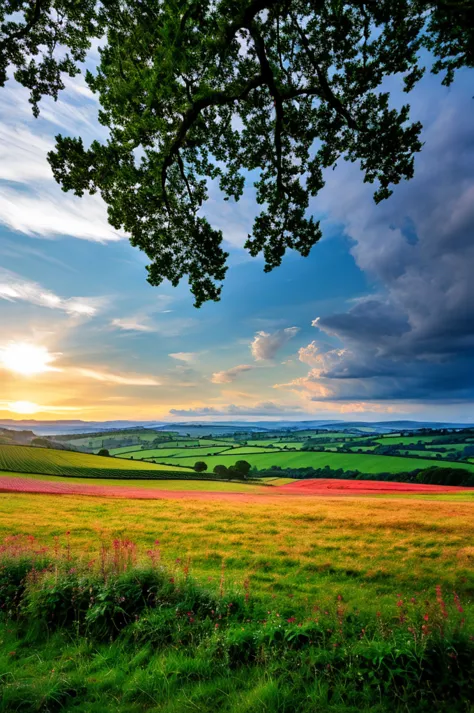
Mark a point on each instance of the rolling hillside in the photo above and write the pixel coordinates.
(26, 459)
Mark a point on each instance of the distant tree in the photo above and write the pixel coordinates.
(243, 467)
(103, 452)
(221, 471)
(200, 466)
(234, 472)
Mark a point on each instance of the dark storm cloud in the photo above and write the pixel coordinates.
(415, 339)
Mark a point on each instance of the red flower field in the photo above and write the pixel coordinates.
(319, 488)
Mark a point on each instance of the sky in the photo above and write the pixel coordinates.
(377, 323)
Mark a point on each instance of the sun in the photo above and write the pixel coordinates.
(25, 407)
(26, 359)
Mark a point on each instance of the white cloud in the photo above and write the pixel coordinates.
(44, 210)
(263, 408)
(310, 385)
(23, 155)
(187, 357)
(320, 358)
(15, 288)
(265, 345)
(122, 379)
(144, 321)
(132, 325)
(225, 377)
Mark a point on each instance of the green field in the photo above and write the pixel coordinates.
(200, 453)
(276, 442)
(123, 449)
(26, 459)
(394, 440)
(96, 441)
(178, 483)
(362, 462)
(161, 453)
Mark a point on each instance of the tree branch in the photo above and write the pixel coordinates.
(330, 97)
(25, 29)
(185, 178)
(268, 76)
(216, 98)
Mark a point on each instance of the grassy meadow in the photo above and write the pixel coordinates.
(241, 603)
(329, 605)
(303, 547)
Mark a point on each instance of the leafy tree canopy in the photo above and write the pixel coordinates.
(220, 470)
(243, 466)
(43, 40)
(198, 91)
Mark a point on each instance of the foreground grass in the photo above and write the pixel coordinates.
(293, 548)
(119, 635)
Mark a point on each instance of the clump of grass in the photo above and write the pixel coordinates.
(152, 638)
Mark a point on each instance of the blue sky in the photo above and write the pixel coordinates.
(377, 322)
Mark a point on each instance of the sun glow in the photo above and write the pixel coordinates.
(26, 359)
(25, 407)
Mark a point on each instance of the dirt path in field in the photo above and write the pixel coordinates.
(302, 488)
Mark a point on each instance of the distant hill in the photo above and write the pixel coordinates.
(10, 436)
(49, 428)
(52, 428)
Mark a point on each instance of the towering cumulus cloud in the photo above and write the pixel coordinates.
(414, 337)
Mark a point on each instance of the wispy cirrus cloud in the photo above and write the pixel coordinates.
(132, 325)
(166, 326)
(187, 357)
(43, 210)
(15, 288)
(125, 379)
(229, 375)
(41, 213)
